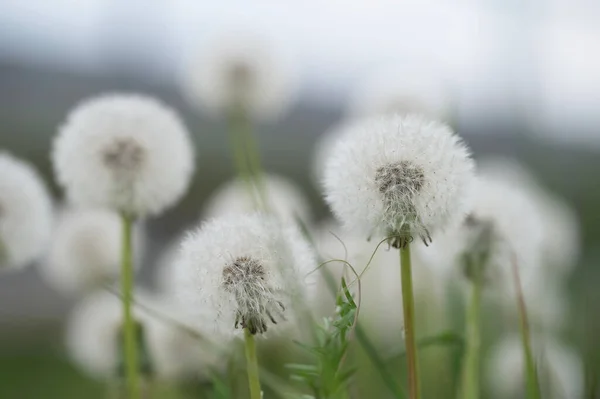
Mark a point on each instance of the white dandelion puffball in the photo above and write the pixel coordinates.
(125, 152)
(85, 252)
(504, 225)
(246, 271)
(395, 92)
(284, 199)
(92, 334)
(403, 176)
(559, 368)
(25, 213)
(562, 237)
(93, 338)
(547, 305)
(175, 352)
(239, 70)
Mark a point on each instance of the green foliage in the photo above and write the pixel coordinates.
(327, 377)
(220, 388)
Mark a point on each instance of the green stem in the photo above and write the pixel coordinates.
(470, 372)
(239, 155)
(241, 127)
(252, 365)
(533, 386)
(129, 339)
(408, 304)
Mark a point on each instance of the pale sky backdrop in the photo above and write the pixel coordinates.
(539, 57)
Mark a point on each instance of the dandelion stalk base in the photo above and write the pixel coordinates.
(129, 336)
(408, 304)
(470, 371)
(532, 384)
(252, 365)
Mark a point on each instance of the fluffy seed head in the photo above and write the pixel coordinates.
(283, 197)
(239, 71)
(561, 241)
(245, 271)
(398, 175)
(25, 213)
(125, 152)
(560, 370)
(93, 338)
(85, 252)
(504, 225)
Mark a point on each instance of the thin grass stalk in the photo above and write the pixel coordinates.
(470, 373)
(247, 154)
(532, 382)
(408, 304)
(129, 335)
(240, 161)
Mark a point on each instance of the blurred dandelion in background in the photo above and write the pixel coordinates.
(25, 213)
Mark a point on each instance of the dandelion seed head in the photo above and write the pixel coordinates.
(504, 226)
(94, 336)
(240, 70)
(283, 197)
(85, 252)
(246, 271)
(399, 175)
(126, 152)
(25, 213)
(562, 236)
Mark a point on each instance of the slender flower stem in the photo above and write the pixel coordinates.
(408, 304)
(129, 335)
(533, 386)
(241, 130)
(470, 372)
(252, 365)
(239, 154)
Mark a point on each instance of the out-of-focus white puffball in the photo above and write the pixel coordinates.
(403, 176)
(401, 92)
(504, 225)
(93, 338)
(25, 213)
(546, 301)
(85, 252)
(126, 152)
(283, 198)
(176, 352)
(560, 369)
(562, 237)
(240, 69)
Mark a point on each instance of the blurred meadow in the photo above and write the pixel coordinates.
(519, 82)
